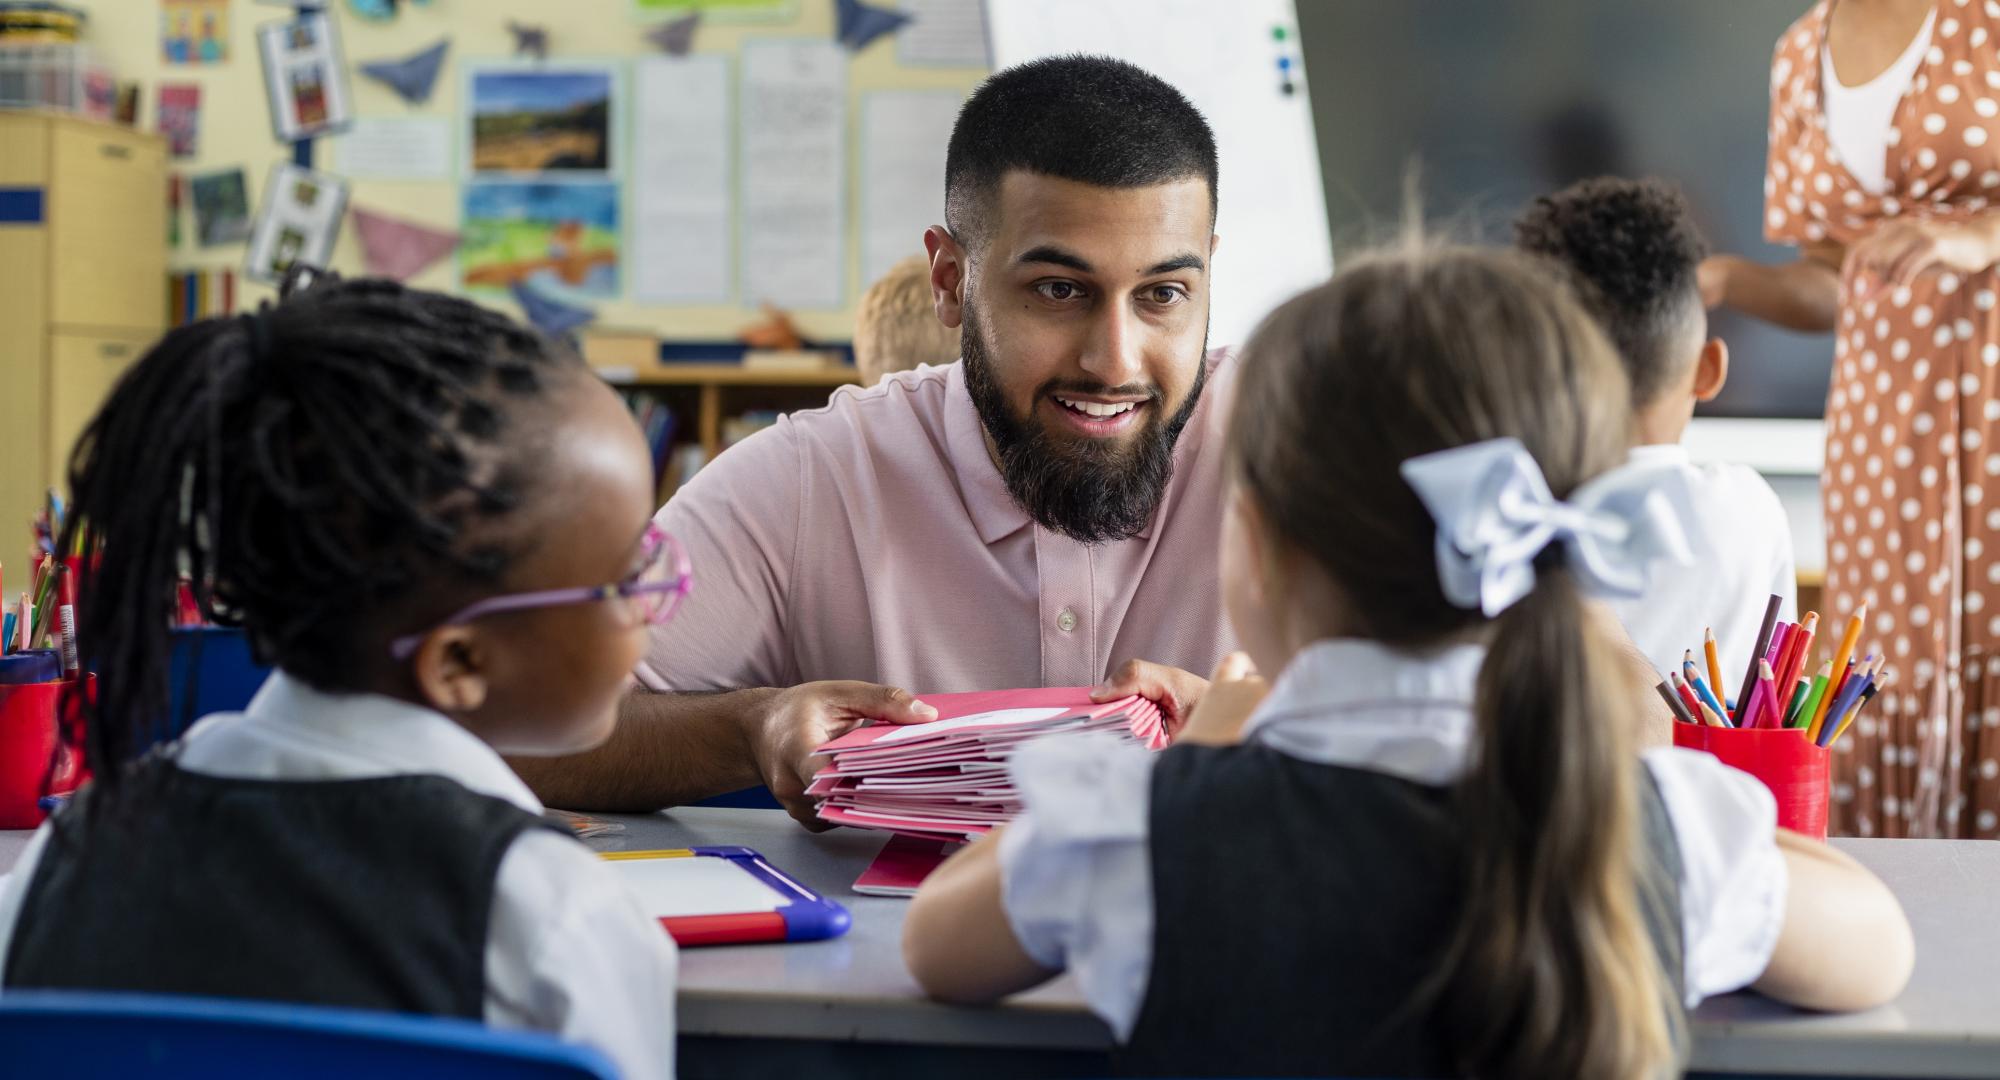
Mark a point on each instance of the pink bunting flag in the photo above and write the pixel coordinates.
(398, 249)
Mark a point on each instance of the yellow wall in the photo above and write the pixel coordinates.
(236, 129)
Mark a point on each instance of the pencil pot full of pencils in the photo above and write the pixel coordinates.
(33, 761)
(1785, 761)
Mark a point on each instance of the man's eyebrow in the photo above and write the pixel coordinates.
(1189, 261)
(1049, 254)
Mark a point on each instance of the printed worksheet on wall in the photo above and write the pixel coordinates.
(683, 193)
(793, 121)
(903, 138)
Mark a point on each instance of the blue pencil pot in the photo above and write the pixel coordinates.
(215, 663)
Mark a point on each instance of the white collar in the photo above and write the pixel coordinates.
(293, 732)
(1660, 453)
(1364, 705)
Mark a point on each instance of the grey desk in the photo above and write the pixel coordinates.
(1947, 1024)
(854, 989)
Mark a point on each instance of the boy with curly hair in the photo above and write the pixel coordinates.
(1631, 250)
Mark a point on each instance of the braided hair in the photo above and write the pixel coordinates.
(311, 468)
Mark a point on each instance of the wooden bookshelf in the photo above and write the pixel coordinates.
(709, 393)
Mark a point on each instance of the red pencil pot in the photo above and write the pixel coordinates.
(27, 743)
(1788, 763)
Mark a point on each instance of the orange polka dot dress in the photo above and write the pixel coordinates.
(1911, 486)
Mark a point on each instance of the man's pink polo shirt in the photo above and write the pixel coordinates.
(874, 539)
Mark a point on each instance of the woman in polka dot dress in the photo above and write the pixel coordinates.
(1885, 149)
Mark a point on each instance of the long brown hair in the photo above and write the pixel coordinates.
(1403, 353)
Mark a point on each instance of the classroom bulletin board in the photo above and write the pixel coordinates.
(771, 161)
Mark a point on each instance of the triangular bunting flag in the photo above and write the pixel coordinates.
(857, 24)
(551, 317)
(398, 249)
(676, 36)
(412, 77)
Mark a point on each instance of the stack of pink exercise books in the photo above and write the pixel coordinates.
(947, 780)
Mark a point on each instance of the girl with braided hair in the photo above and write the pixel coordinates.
(436, 525)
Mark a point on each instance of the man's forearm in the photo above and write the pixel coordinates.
(668, 749)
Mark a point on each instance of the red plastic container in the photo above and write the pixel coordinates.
(27, 741)
(1796, 771)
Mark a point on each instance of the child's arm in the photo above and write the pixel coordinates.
(956, 939)
(1846, 943)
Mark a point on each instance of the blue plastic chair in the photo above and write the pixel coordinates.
(68, 1033)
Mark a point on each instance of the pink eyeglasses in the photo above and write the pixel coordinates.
(655, 593)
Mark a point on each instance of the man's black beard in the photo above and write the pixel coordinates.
(1091, 491)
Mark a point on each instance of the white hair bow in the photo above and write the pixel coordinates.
(1495, 514)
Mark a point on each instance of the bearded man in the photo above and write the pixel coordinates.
(1045, 512)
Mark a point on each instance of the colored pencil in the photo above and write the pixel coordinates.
(1767, 680)
(1757, 654)
(1795, 703)
(1842, 710)
(1867, 695)
(1711, 717)
(1687, 694)
(1701, 690)
(1802, 643)
(1674, 703)
(1819, 685)
(1714, 664)
(1841, 656)
(7, 634)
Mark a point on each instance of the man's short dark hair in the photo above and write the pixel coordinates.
(1633, 251)
(1090, 119)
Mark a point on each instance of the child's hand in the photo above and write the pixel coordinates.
(801, 719)
(1176, 692)
(1234, 692)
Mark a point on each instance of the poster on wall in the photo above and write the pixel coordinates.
(221, 207)
(561, 237)
(297, 221)
(179, 117)
(545, 118)
(304, 77)
(194, 31)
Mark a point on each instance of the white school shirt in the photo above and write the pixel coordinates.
(1860, 118)
(1742, 544)
(1075, 866)
(568, 949)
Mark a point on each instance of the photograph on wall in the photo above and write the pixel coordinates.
(304, 77)
(194, 31)
(562, 238)
(221, 208)
(541, 119)
(296, 222)
(179, 117)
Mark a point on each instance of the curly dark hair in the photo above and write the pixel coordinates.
(313, 467)
(1632, 251)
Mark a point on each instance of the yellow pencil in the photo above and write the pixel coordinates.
(1714, 666)
(1840, 658)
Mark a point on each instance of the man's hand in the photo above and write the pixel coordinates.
(1234, 692)
(1176, 692)
(801, 719)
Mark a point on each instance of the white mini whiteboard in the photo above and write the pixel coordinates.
(682, 888)
(1224, 55)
